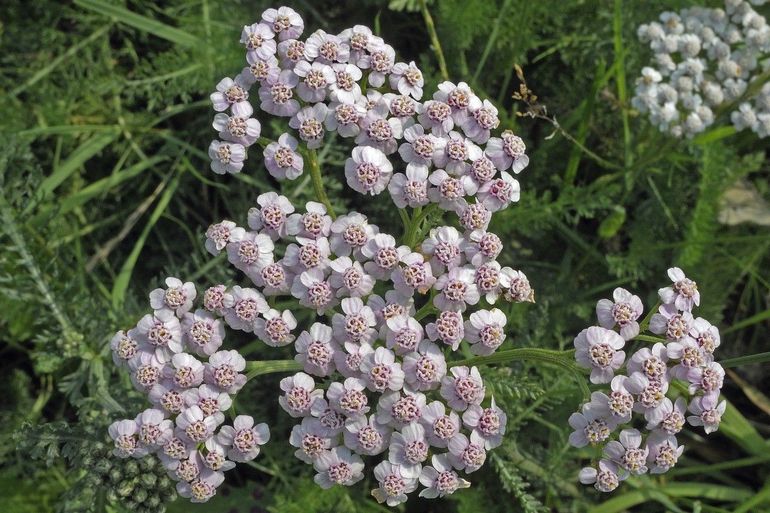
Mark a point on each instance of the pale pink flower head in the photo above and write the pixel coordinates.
(154, 428)
(203, 333)
(326, 48)
(616, 406)
(275, 279)
(125, 347)
(460, 98)
(338, 467)
(316, 79)
(689, 354)
(243, 130)
(599, 349)
(424, 368)
(440, 425)
(481, 246)
(259, 40)
(285, 22)
(350, 233)
(507, 152)
(440, 479)
(467, 453)
(403, 335)
(357, 324)
(282, 159)
(382, 58)
(160, 333)
(628, 452)
(410, 188)
(606, 478)
(673, 416)
(393, 305)
(488, 422)
(348, 397)
(407, 79)
(315, 350)
(309, 122)
(309, 440)
(211, 400)
(449, 191)
(399, 409)
(650, 396)
(277, 95)
(623, 311)
(214, 299)
(401, 106)
(383, 254)
(474, 216)
(359, 38)
(270, 217)
(485, 330)
(242, 306)
(479, 122)
(250, 252)
(299, 394)
(344, 118)
(260, 70)
(309, 254)
(651, 362)
(223, 371)
(313, 224)
(706, 335)
(707, 412)
(313, 291)
(195, 425)
(243, 438)
(185, 371)
(201, 488)
(379, 130)
(381, 371)
(348, 361)
(367, 436)
(663, 452)
(409, 449)
(420, 148)
(463, 388)
(146, 370)
(487, 278)
(414, 274)
(125, 434)
(436, 116)
(444, 245)
(368, 170)
(393, 484)
(167, 397)
(590, 427)
(291, 51)
(232, 94)
(498, 193)
(707, 378)
(683, 294)
(349, 278)
(345, 88)
(675, 325)
(218, 235)
(330, 421)
(275, 329)
(177, 296)
(448, 328)
(226, 157)
(216, 456)
(481, 170)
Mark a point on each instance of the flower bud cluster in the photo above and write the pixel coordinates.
(641, 384)
(186, 427)
(704, 60)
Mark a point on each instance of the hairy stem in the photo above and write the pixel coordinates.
(318, 184)
(434, 39)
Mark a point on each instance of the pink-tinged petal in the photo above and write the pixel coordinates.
(631, 438)
(577, 421)
(604, 313)
(676, 274)
(614, 450)
(601, 375)
(578, 439)
(587, 475)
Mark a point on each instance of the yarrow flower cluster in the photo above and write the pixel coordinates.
(705, 59)
(186, 426)
(640, 384)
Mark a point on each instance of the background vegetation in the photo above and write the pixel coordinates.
(105, 189)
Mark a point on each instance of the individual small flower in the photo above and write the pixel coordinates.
(683, 294)
(366, 436)
(670, 322)
(277, 95)
(449, 192)
(251, 252)
(627, 452)
(400, 409)
(439, 479)
(185, 371)
(707, 412)
(410, 188)
(404, 334)
(313, 291)
(216, 456)
(707, 378)
(409, 449)
(489, 423)
(383, 254)
(382, 58)
(463, 388)
(299, 394)
(275, 329)
(243, 438)
(218, 235)
(315, 350)
(688, 353)
(425, 368)
(440, 425)
(474, 216)
(348, 397)
(460, 98)
(443, 244)
(650, 396)
(226, 157)
(623, 311)
(285, 22)
(232, 94)
(307, 437)
(590, 427)
(480, 121)
(223, 371)
(345, 88)
(331, 422)
(436, 116)
(706, 335)
(344, 118)
(260, 70)
(481, 170)
(617, 405)
(606, 478)
(481, 246)
(348, 361)
(368, 170)
(316, 78)
(177, 296)
(360, 38)
(599, 350)
(154, 428)
(393, 484)
(672, 417)
(326, 48)
(202, 488)
(485, 330)
(381, 371)
(124, 347)
(663, 452)
(379, 130)
(211, 400)
(259, 40)
(507, 152)
(160, 333)
(282, 159)
(407, 79)
(420, 148)
(338, 466)
(271, 215)
(146, 370)
(214, 299)
(166, 396)
(350, 233)
(309, 122)
(243, 130)
(202, 332)
(356, 324)
(652, 363)
(498, 193)
(195, 425)
(242, 306)
(126, 437)
(310, 254)
(313, 224)
(448, 328)
(467, 454)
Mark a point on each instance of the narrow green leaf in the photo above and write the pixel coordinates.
(714, 135)
(710, 491)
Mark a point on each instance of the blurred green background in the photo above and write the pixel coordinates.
(105, 189)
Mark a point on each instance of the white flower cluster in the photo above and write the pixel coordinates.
(387, 386)
(686, 354)
(704, 59)
(186, 425)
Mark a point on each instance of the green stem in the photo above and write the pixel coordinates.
(648, 338)
(318, 185)
(434, 39)
(746, 360)
(258, 368)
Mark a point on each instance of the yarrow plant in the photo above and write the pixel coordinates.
(375, 379)
(642, 385)
(706, 61)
